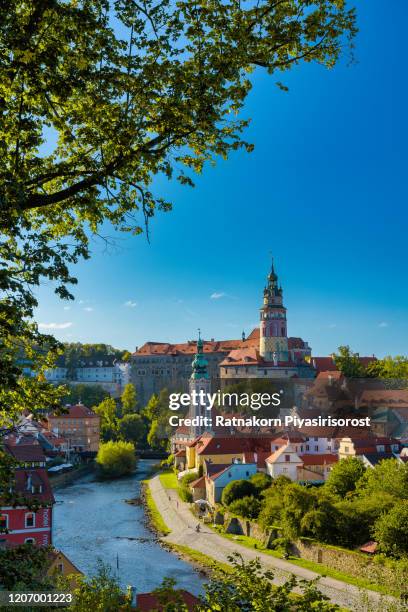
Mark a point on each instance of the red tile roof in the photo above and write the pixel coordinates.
(23, 452)
(38, 476)
(232, 444)
(370, 547)
(198, 484)
(261, 457)
(322, 364)
(321, 459)
(187, 348)
(78, 411)
(149, 602)
(180, 453)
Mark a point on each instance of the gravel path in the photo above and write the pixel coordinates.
(178, 518)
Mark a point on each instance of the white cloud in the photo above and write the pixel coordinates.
(383, 324)
(217, 295)
(130, 304)
(55, 325)
(88, 309)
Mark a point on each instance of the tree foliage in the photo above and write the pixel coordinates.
(344, 476)
(391, 530)
(116, 459)
(108, 412)
(237, 489)
(129, 399)
(89, 395)
(247, 507)
(349, 363)
(132, 428)
(97, 99)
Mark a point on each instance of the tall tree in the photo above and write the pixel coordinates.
(108, 412)
(129, 399)
(349, 363)
(127, 91)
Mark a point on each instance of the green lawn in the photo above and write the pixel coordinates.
(154, 515)
(200, 558)
(169, 480)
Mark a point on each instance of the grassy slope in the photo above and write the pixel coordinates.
(323, 570)
(169, 480)
(154, 515)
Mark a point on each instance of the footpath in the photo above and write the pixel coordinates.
(178, 517)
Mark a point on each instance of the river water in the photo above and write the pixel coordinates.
(92, 520)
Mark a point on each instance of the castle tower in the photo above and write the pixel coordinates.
(273, 337)
(199, 381)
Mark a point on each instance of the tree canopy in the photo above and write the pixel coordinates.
(97, 98)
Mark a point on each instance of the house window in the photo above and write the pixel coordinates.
(29, 541)
(307, 447)
(60, 568)
(285, 470)
(30, 519)
(3, 522)
(316, 448)
(287, 457)
(316, 439)
(346, 449)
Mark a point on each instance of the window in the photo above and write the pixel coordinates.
(30, 519)
(29, 541)
(307, 447)
(285, 470)
(346, 449)
(3, 522)
(60, 568)
(316, 448)
(287, 457)
(316, 439)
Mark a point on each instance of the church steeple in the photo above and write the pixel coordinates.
(273, 342)
(200, 363)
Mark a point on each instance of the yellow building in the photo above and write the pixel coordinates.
(60, 565)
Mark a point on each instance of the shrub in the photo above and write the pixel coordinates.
(261, 481)
(247, 507)
(185, 494)
(116, 459)
(391, 530)
(237, 490)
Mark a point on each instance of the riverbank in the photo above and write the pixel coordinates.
(93, 520)
(62, 480)
(178, 519)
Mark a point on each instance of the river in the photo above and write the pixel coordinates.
(92, 520)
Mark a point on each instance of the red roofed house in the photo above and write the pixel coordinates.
(21, 524)
(80, 426)
(316, 468)
(149, 602)
(353, 446)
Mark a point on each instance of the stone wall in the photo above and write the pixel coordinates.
(60, 480)
(375, 569)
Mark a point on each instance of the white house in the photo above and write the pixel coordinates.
(284, 462)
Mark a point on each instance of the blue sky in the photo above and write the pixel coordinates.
(325, 190)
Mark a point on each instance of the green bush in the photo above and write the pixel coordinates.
(261, 481)
(116, 459)
(237, 490)
(247, 507)
(391, 530)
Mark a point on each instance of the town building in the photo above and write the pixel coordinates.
(79, 425)
(21, 520)
(159, 365)
(108, 372)
(269, 353)
(217, 477)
